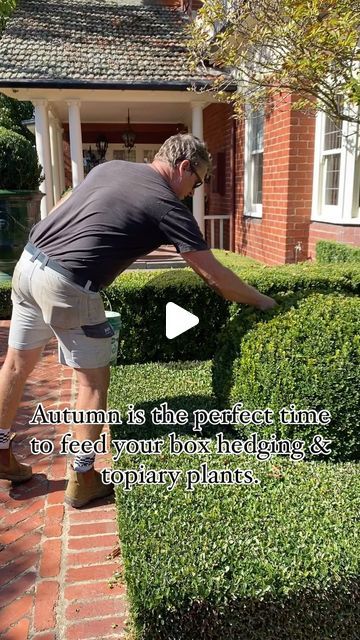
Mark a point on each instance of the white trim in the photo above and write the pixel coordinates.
(77, 165)
(54, 157)
(197, 129)
(251, 209)
(347, 210)
(42, 137)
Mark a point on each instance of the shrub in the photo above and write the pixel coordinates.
(19, 168)
(272, 561)
(141, 300)
(5, 301)
(230, 340)
(141, 296)
(287, 284)
(332, 252)
(309, 357)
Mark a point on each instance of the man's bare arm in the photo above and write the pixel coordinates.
(224, 281)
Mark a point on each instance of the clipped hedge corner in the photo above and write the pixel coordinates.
(308, 356)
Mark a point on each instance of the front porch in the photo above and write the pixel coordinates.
(68, 132)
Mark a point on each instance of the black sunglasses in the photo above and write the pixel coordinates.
(198, 182)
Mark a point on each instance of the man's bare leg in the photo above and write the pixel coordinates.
(85, 484)
(16, 369)
(92, 394)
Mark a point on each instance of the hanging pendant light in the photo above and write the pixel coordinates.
(129, 135)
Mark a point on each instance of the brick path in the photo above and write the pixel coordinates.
(54, 567)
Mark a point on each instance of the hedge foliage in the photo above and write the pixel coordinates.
(141, 297)
(19, 167)
(328, 252)
(5, 301)
(273, 561)
(308, 356)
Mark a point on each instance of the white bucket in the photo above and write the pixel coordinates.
(114, 320)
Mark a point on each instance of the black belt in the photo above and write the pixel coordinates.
(37, 254)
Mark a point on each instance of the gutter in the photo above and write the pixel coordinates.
(172, 85)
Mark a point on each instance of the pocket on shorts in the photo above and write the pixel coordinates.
(64, 315)
(101, 330)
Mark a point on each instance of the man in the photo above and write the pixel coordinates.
(119, 212)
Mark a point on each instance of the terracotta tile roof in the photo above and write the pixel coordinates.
(95, 41)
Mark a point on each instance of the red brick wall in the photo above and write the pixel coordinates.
(67, 164)
(287, 184)
(301, 164)
(324, 231)
(218, 134)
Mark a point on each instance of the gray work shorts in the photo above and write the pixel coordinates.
(45, 303)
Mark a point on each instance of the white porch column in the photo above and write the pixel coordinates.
(43, 150)
(199, 195)
(54, 157)
(60, 146)
(77, 164)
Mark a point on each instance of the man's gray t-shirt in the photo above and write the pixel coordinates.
(121, 211)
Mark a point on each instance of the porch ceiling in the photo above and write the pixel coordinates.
(118, 112)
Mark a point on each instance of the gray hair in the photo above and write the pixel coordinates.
(184, 146)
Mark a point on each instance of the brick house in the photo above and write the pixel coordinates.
(101, 70)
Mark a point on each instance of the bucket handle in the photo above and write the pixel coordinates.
(107, 299)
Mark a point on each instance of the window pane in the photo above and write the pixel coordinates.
(332, 171)
(257, 172)
(148, 155)
(332, 136)
(257, 131)
(124, 154)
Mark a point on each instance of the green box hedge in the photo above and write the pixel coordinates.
(5, 301)
(328, 252)
(273, 561)
(308, 356)
(141, 298)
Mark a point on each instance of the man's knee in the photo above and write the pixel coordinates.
(20, 363)
(96, 380)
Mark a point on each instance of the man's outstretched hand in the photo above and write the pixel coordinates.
(266, 303)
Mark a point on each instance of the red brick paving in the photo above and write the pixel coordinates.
(54, 560)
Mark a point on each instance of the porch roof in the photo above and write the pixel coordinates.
(95, 43)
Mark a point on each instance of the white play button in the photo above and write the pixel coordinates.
(178, 320)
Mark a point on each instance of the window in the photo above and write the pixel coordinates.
(332, 161)
(254, 157)
(124, 154)
(336, 169)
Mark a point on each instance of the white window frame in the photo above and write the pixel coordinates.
(250, 208)
(347, 210)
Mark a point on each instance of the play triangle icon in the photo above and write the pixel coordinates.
(178, 320)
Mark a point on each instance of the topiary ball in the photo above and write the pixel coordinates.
(19, 167)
